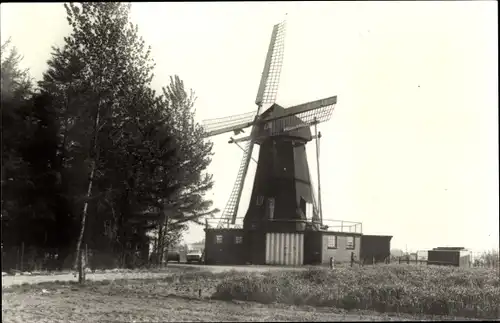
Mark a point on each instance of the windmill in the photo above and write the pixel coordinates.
(282, 194)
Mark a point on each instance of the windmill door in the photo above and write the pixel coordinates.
(284, 249)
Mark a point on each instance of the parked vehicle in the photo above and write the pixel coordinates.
(174, 256)
(194, 256)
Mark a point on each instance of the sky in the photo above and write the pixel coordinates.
(411, 149)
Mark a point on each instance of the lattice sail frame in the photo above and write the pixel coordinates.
(267, 92)
(269, 82)
(300, 120)
(297, 117)
(234, 199)
(217, 126)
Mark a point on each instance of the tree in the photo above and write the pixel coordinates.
(15, 82)
(15, 95)
(93, 76)
(137, 151)
(178, 189)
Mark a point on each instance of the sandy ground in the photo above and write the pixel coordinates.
(140, 300)
(17, 280)
(102, 304)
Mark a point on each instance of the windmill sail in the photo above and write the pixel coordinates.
(231, 208)
(268, 89)
(269, 82)
(300, 116)
(279, 121)
(236, 123)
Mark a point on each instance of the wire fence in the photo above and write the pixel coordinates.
(490, 259)
(30, 259)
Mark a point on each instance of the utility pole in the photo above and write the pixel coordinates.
(318, 135)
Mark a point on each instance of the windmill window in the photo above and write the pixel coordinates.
(303, 205)
(331, 242)
(238, 240)
(260, 200)
(218, 239)
(270, 203)
(349, 243)
(309, 210)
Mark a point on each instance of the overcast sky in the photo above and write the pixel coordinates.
(411, 149)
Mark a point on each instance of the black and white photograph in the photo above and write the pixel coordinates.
(249, 161)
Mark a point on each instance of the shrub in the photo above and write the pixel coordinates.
(386, 288)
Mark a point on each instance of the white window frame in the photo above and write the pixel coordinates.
(329, 239)
(219, 239)
(259, 200)
(238, 240)
(309, 210)
(271, 204)
(348, 245)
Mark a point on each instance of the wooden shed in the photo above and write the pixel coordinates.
(449, 256)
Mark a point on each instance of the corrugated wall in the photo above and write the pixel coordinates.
(285, 249)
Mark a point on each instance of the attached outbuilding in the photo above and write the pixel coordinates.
(309, 246)
(375, 249)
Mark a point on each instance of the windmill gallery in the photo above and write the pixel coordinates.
(284, 222)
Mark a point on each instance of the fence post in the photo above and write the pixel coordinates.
(22, 256)
(352, 259)
(86, 256)
(399, 260)
(408, 259)
(331, 262)
(17, 258)
(81, 276)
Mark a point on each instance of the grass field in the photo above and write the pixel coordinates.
(417, 290)
(365, 293)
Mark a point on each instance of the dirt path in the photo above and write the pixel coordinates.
(18, 280)
(67, 305)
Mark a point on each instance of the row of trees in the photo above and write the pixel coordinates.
(93, 154)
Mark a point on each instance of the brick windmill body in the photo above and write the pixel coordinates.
(282, 199)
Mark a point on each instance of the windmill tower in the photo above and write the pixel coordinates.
(282, 196)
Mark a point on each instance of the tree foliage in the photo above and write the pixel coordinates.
(105, 144)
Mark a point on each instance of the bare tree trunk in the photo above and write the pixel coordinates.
(160, 243)
(162, 232)
(93, 148)
(78, 259)
(81, 269)
(165, 232)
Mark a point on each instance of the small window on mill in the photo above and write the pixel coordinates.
(270, 202)
(260, 200)
(331, 242)
(238, 239)
(303, 205)
(218, 239)
(349, 243)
